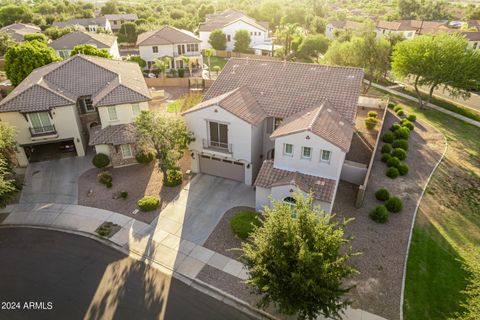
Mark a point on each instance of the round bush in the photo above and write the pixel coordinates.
(386, 148)
(400, 113)
(370, 123)
(391, 105)
(397, 108)
(393, 162)
(412, 117)
(109, 184)
(403, 169)
(408, 125)
(392, 172)
(379, 214)
(400, 143)
(395, 127)
(101, 160)
(148, 203)
(388, 137)
(174, 178)
(123, 194)
(242, 223)
(145, 157)
(386, 157)
(394, 204)
(105, 177)
(372, 114)
(402, 133)
(399, 153)
(382, 194)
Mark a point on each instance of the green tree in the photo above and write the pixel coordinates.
(409, 9)
(436, 61)
(7, 184)
(90, 50)
(21, 59)
(218, 39)
(208, 54)
(142, 63)
(313, 46)
(473, 12)
(287, 33)
(162, 65)
(168, 136)
(128, 32)
(299, 263)
(242, 41)
(12, 13)
(35, 37)
(318, 25)
(110, 7)
(205, 9)
(6, 41)
(56, 32)
(7, 140)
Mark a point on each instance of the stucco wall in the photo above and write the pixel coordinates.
(114, 50)
(102, 148)
(231, 29)
(124, 114)
(171, 50)
(353, 172)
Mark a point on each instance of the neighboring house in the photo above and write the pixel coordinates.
(170, 42)
(116, 20)
(84, 100)
(18, 30)
(90, 24)
(334, 27)
(407, 28)
(65, 44)
(230, 21)
(278, 125)
(473, 38)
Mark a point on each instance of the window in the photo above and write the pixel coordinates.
(112, 113)
(306, 153)
(64, 54)
(181, 49)
(40, 122)
(155, 49)
(325, 156)
(126, 151)
(136, 109)
(475, 45)
(218, 135)
(115, 22)
(276, 123)
(288, 149)
(86, 105)
(195, 46)
(229, 38)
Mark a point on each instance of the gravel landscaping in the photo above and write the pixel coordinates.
(383, 246)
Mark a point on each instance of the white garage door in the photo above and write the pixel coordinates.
(222, 168)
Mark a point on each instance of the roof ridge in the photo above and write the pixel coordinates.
(295, 62)
(314, 119)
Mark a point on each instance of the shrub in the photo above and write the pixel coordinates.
(393, 162)
(400, 143)
(392, 172)
(174, 178)
(242, 223)
(399, 153)
(370, 123)
(372, 114)
(379, 214)
(148, 203)
(104, 177)
(145, 157)
(395, 127)
(386, 148)
(181, 72)
(123, 194)
(408, 125)
(109, 184)
(402, 133)
(391, 105)
(388, 137)
(397, 108)
(400, 113)
(382, 194)
(394, 204)
(101, 160)
(386, 157)
(412, 117)
(403, 169)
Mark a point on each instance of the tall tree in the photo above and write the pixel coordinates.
(299, 263)
(313, 46)
(242, 41)
(35, 37)
(286, 33)
(110, 7)
(127, 32)
(7, 140)
(435, 61)
(90, 50)
(5, 42)
(7, 144)
(12, 13)
(163, 64)
(205, 9)
(218, 39)
(208, 54)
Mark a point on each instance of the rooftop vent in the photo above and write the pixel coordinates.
(341, 123)
(329, 110)
(320, 183)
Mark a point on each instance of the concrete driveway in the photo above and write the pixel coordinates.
(54, 181)
(200, 206)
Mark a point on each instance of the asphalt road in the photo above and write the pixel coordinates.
(53, 275)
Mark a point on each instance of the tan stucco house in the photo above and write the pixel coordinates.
(66, 43)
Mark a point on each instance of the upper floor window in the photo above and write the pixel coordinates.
(40, 122)
(181, 48)
(306, 153)
(64, 54)
(126, 151)
(218, 133)
(86, 104)
(155, 49)
(229, 38)
(288, 149)
(325, 155)
(112, 113)
(276, 123)
(192, 47)
(136, 109)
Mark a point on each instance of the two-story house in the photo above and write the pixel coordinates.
(334, 27)
(280, 126)
(230, 21)
(170, 42)
(66, 43)
(407, 28)
(116, 20)
(84, 100)
(18, 30)
(90, 24)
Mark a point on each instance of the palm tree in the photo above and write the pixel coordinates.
(287, 33)
(187, 61)
(208, 53)
(163, 64)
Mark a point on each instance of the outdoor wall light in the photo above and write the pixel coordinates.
(248, 166)
(291, 190)
(307, 137)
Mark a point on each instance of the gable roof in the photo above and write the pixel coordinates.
(18, 30)
(122, 16)
(406, 25)
(346, 24)
(70, 40)
(100, 21)
(229, 16)
(116, 135)
(109, 82)
(166, 35)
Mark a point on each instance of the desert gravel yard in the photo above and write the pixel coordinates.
(383, 246)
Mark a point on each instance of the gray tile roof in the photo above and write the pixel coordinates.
(321, 188)
(122, 16)
(116, 135)
(18, 30)
(346, 24)
(222, 19)
(109, 82)
(166, 35)
(70, 40)
(100, 21)
(406, 25)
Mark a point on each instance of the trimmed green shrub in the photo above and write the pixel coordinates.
(400, 143)
(181, 72)
(386, 148)
(101, 160)
(394, 204)
(403, 169)
(109, 184)
(243, 222)
(379, 214)
(388, 137)
(174, 178)
(386, 157)
(399, 153)
(393, 162)
(123, 194)
(145, 157)
(397, 108)
(392, 172)
(400, 113)
(391, 105)
(104, 177)
(370, 123)
(148, 203)
(395, 126)
(408, 125)
(372, 114)
(412, 117)
(402, 133)
(382, 194)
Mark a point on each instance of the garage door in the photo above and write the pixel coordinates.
(222, 168)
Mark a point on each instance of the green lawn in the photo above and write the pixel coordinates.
(184, 103)
(175, 106)
(215, 61)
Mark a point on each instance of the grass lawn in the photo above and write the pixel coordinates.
(215, 61)
(184, 103)
(446, 237)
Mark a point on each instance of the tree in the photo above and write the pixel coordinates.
(6, 41)
(208, 54)
(205, 9)
(23, 58)
(188, 62)
(435, 61)
(7, 184)
(55, 32)
(299, 263)
(12, 13)
(110, 7)
(142, 63)
(35, 37)
(90, 50)
(242, 41)
(473, 12)
(168, 136)
(409, 9)
(128, 32)
(218, 39)
(162, 65)
(7, 140)
(286, 33)
(313, 46)
(318, 25)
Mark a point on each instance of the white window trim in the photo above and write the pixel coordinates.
(321, 156)
(110, 116)
(123, 154)
(285, 153)
(134, 106)
(153, 49)
(43, 125)
(303, 154)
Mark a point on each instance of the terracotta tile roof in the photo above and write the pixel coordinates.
(116, 135)
(324, 121)
(70, 40)
(109, 82)
(285, 88)
(323, 189)
(239, 102)
(224, 18)
(18, 30)
(346, 24)
(166, 35)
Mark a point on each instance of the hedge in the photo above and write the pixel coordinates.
(379, 214)
(243, 222)
(397, 108)
(400, 143)
(382, 194)
(392, 172)
(400, 113)
(372, 114)
(100, 160)
(399, 153)
(386, 157)
(393, 162)
(402, 133)
(145, 157)
(403, 169)
(408, 125)
(105, 178)
(386, 148)
(388, 137)
(370, 123)
(412, 117)
(394, 127)
(148, 203)
(394, 204)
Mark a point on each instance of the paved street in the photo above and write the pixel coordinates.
(86, 279)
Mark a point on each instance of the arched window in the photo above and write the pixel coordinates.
(290, 201)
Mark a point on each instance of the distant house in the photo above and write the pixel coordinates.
(90, 24)
(408, 28)
(65, 44)
(230, 21)
(473, 38)
(333, 27)
(170, 42)
(18, 30)
(116, 20)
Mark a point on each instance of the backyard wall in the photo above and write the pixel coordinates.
(172, 82)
